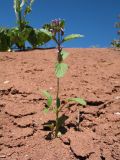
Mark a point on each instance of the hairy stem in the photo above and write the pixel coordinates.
(20, 20)
(57, 111)
(57, 125)
(20, 24)
(58, 88)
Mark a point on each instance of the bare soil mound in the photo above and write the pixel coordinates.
(94, 74)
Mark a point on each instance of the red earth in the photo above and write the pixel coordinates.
(94, 74)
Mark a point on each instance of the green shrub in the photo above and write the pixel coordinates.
(4, 39)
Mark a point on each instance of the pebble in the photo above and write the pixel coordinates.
(6, 82)
(117, 113)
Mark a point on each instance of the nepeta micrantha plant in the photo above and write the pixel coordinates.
(22, 8)
(57, 29)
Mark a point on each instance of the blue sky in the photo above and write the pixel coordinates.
(93, 18)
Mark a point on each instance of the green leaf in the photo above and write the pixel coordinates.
(27, 10)
(72, 36)
(61, 69)
(64, 54)
(49, 98)
(62, 23)
(46, 32)
(4, 39)
(18, 37)
(58, 102)
(78, 100)
(38, 37)
(46, 110)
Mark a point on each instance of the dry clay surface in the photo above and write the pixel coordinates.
(94, 74)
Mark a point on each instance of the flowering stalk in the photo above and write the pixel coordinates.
(57, 30)
(58, 87)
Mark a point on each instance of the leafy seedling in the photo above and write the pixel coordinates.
(56, 27)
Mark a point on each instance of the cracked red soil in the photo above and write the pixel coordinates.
(94, 74)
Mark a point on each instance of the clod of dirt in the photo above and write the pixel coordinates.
(5, 91)
(2, 156)
(9, 143)
(24, 122)
(87, 123)
(112, 117)
(90, 110)
(22, 132)
(19, 110)
(82, 144)
(2, 105)
(116, 89)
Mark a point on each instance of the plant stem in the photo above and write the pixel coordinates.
(57, 126)
(19, 16)
(57, 112)
(20, 25)
(58, 88)
(20, 21)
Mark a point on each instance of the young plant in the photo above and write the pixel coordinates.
(22, 9)
(20, 34)
(56, 27)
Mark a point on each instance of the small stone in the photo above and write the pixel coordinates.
(117, 113)
(3, 156)
(5, 82)
(117, 97)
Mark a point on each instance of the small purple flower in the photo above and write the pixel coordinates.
(56, 22)
(57, 26)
